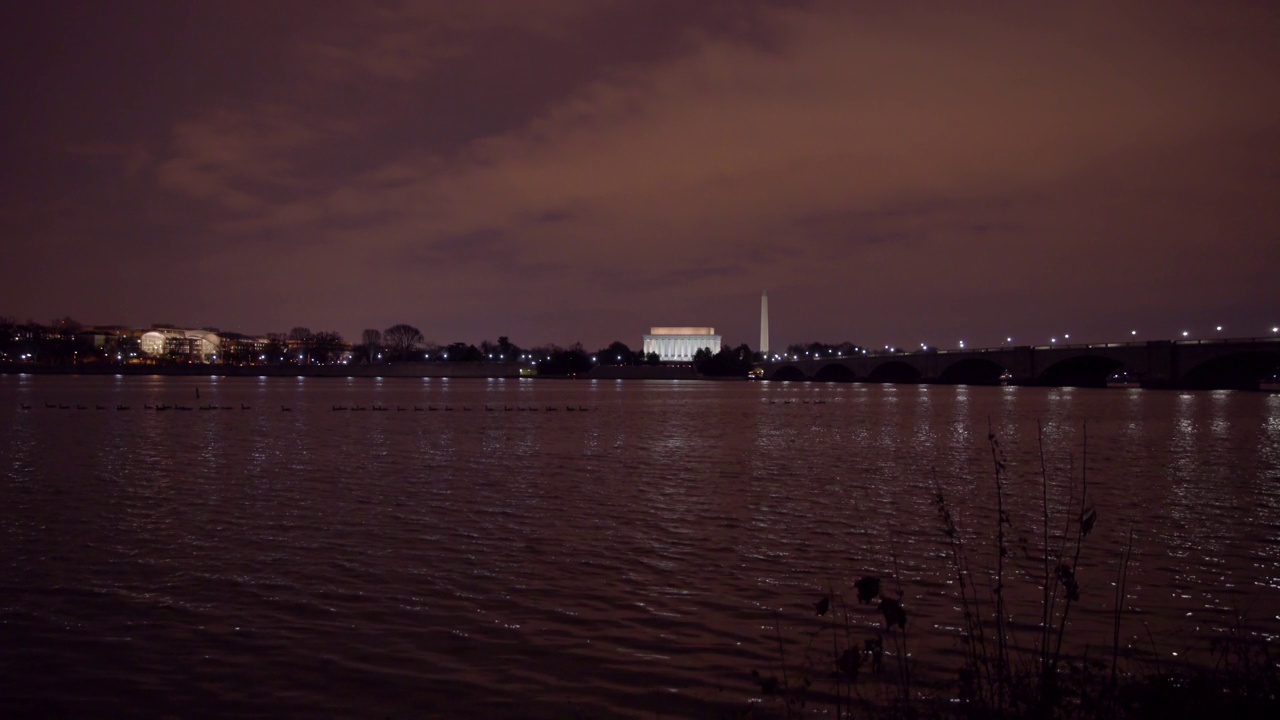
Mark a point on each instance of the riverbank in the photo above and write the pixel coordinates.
(421, 369)
(409, 370)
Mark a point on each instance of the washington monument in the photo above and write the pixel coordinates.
(764, 321)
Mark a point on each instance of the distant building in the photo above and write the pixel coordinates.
(680, 344)
(196, 345)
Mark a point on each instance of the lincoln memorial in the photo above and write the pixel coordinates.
(674, 344)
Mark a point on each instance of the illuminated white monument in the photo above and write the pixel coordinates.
(764, 322)
(675, 344)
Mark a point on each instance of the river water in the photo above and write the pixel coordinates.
(538, 548)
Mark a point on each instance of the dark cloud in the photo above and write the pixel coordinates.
(561, 170)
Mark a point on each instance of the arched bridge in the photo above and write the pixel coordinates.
(1240, 364)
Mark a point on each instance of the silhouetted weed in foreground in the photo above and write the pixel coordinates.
(840, 651)
(1002, 674)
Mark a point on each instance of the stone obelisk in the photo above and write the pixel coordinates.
(764, 322)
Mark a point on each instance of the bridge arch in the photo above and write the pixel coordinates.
(894, 371)
(1236, 371)
(1085, 370)
(972, 371)
(835, 372)
(787, 373)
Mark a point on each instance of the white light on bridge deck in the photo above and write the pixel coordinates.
(1184, 333)
(1219, 328)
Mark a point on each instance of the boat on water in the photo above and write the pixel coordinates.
(1123, 379)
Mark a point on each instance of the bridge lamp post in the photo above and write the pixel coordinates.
(1053, 340)
(1185, 333)
(1219, 328)
(961, 344)
(1275, 330)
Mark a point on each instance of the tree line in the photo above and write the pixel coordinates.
(66, 341)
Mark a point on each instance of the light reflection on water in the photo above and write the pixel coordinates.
(625, 560)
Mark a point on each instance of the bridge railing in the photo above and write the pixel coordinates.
(1200, 341)
(1053, 346)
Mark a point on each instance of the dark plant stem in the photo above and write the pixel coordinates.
(1002, 661)
(782, 658)
(904, 667)
(835, 647)
(1119, 606)
(1075, 560)
(976, 644)
(1046, 607)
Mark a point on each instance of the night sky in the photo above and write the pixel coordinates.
(579, 170)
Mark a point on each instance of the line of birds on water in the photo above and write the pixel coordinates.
(374, 408)
(79, 406)
(464, 408)
(335, 408)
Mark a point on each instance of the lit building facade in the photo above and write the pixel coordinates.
(201, 345)
(680, 344)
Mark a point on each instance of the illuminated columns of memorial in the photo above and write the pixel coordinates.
(680, 344)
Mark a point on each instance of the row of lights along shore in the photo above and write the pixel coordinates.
(1275, 330)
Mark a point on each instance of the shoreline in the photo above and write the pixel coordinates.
(456, 370)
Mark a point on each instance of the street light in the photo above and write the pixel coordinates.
(1184, 333)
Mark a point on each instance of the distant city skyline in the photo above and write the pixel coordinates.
(1217, 332)
(562, 171)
